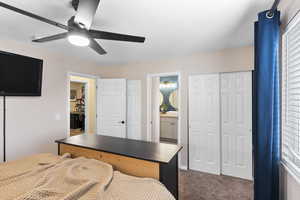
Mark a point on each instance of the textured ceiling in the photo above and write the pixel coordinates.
(172, 27)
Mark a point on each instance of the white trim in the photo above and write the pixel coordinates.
(291, 171)
(69, 74)
(149, 102)
(183, 167)
(293, 23)
(68, 111)
(149, 87)
(97, 99)
(83, 75)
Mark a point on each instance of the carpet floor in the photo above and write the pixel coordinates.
(201, 186)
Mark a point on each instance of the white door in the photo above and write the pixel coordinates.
(204, 123)
(111, 108)
(236, 94)
(134, 109)
(155, 109)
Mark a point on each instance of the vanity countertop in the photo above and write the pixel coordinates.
(169, 115)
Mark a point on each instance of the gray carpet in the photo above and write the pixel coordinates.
(201, 186)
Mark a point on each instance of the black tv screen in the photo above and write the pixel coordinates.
(20, 75)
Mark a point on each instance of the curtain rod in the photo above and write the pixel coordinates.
(274, 8)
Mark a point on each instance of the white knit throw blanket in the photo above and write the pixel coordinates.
(49, 177)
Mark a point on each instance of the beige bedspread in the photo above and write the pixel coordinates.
(50, 177)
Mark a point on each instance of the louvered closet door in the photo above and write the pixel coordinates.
(236, 120)
(204, 123)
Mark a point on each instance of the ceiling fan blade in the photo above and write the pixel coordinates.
(115, 36)
(52, 37)
(86, 11)
(94, 45)
(23, 12)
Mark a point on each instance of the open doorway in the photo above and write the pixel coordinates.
(168, 109)
(82, 104)
(163, 108)
(77, 108)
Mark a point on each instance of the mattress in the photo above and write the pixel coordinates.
(51, 177)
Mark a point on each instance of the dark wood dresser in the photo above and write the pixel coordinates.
(132, 157)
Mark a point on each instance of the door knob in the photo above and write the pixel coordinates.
(122, 122)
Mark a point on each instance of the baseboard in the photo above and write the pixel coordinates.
(183, 167)
(291, 172)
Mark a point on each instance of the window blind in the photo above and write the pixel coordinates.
(291, 97)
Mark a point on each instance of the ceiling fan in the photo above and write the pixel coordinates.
(78, 29)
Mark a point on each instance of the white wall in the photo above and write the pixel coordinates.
(288, 10)
(290, 186)
(34, 123)
(228, 60)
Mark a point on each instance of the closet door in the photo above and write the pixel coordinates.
(111, 107)
(236, 120)
(204, 123)
(134, 109)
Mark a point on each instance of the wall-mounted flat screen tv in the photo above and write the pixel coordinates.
(20, 75)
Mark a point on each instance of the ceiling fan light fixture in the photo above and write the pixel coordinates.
(77, 30)
(79, 40)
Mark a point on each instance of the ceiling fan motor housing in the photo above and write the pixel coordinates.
(74, 25)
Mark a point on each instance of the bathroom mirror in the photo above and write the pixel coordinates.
(161, 97)
(173, 99)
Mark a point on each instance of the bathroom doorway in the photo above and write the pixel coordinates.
(164, 108)
(168, 109)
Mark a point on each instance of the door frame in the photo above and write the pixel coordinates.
(149, 97)
(69, 74)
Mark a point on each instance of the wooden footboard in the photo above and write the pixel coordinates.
(127, 165)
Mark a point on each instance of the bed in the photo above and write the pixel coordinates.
(132, 157)
(52, 177)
